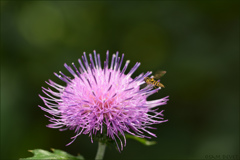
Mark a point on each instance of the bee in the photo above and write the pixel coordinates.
(152, 81)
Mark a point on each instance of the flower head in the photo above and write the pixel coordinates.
(98, 97)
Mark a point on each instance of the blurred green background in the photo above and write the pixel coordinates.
(197, 43)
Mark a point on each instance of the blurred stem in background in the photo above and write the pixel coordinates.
(100, 151)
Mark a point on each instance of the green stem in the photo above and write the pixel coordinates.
(100, 151)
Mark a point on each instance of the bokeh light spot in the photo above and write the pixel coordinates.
(40, 23)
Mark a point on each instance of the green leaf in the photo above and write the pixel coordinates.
(56, 154)
(141, 140)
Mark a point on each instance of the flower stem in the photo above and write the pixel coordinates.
(100, 151)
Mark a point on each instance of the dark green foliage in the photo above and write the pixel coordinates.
(55, 154)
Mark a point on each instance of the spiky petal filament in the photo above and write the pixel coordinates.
(96, 97)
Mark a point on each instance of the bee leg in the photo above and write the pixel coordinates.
(155, 87)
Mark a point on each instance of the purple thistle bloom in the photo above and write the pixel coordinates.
(102, 96)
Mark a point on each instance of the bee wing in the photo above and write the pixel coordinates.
(159, 74)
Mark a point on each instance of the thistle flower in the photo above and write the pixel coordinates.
(99, 97)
